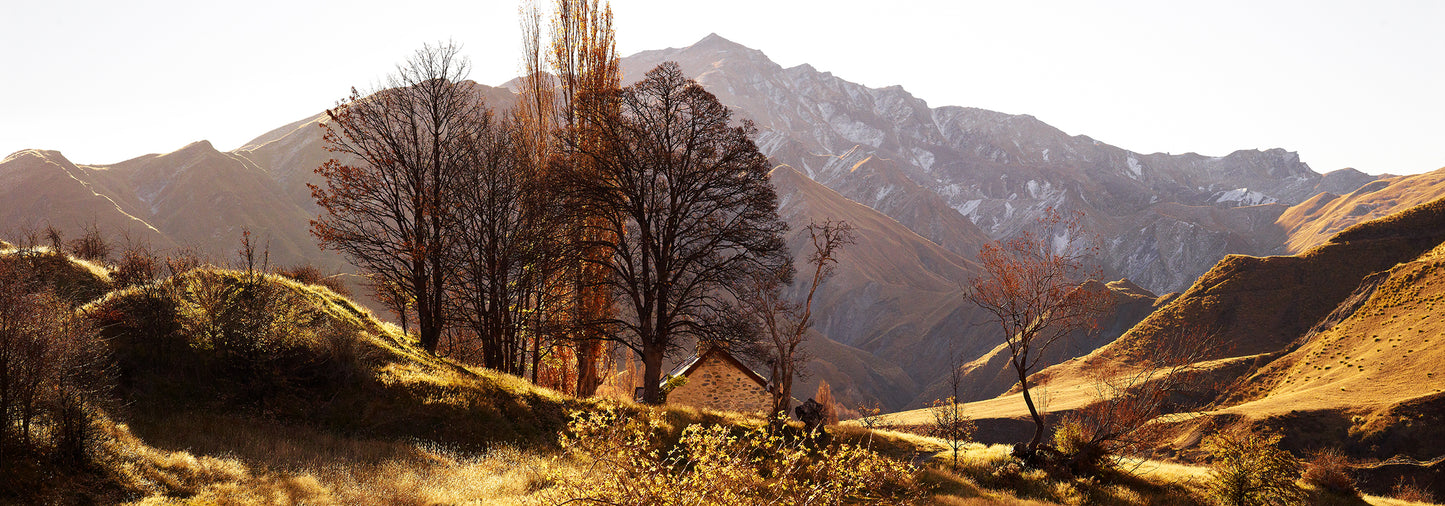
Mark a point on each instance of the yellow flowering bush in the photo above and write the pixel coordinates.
(625, 461)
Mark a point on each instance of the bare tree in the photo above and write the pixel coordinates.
(784, 324)
(509, 247)
(950, 422)
(683, 211)
(390, 212)
(1032, 287)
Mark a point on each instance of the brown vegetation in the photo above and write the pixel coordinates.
(1031, 288)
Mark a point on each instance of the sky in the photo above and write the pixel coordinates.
(1346, 84)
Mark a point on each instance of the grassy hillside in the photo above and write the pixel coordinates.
(1314, 221)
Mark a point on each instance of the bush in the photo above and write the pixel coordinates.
(1250, 469)
(310, 275)
(137, 266)
(951, 424)
(90, 246)
(1410, 491)
(1329, 470)
(1081, 452)
(54, 370)
(629, 463)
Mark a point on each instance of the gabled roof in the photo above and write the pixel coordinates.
(688, 367)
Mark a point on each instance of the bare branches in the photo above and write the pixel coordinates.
(391, 211)
(784, 323)
(682, 211)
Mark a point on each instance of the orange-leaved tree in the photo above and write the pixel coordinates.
(1032, 286)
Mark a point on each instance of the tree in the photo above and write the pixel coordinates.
(1031, 286)
(784, 324)
(584, 57)
(684, 210)
(950, 423)
(508, 247)
(390, 211)
(1250, 469)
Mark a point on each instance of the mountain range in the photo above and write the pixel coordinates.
(925, 186)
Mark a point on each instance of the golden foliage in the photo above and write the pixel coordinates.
(627, 463)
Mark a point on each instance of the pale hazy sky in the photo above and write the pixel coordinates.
(1355, 84)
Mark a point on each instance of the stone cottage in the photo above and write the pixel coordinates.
(718, 380)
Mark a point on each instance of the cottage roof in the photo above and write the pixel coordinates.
(688, 367)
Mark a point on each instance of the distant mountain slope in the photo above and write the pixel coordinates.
(889, 150)
(40, 188)
(1264, 305)
(1314, 221)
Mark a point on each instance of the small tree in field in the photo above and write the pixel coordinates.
(1031, 286)
(1250, 469)
(950, 423)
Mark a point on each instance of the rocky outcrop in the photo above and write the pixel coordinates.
(889, 150)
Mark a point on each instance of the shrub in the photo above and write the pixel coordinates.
(90, 245)
(1410, 491)
(628, 463)
(1081, 452)
(137, 266)
(951, 425)
(1250, 469)
(1330, 470)
(54, 369)
(310, 275)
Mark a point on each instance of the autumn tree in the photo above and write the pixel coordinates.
(388, 206)
(583, 58)
(684, 210)
(783, 323)
(1032, 286)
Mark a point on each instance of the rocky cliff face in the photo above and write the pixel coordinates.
(889, 150)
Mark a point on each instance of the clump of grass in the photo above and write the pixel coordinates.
(1329, 470)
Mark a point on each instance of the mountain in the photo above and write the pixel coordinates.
(927, 186)
(889, 150)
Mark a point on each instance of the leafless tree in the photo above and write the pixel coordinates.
(391, 211)
(1032, 286)
(784, 324)
(509, 247)
(683, 210)
(1164, 379)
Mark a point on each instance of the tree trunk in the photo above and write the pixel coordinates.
(1033, 411)
(652, 377)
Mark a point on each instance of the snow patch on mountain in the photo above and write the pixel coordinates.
(1243, 197)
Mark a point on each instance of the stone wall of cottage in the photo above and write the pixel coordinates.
(717, 384)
